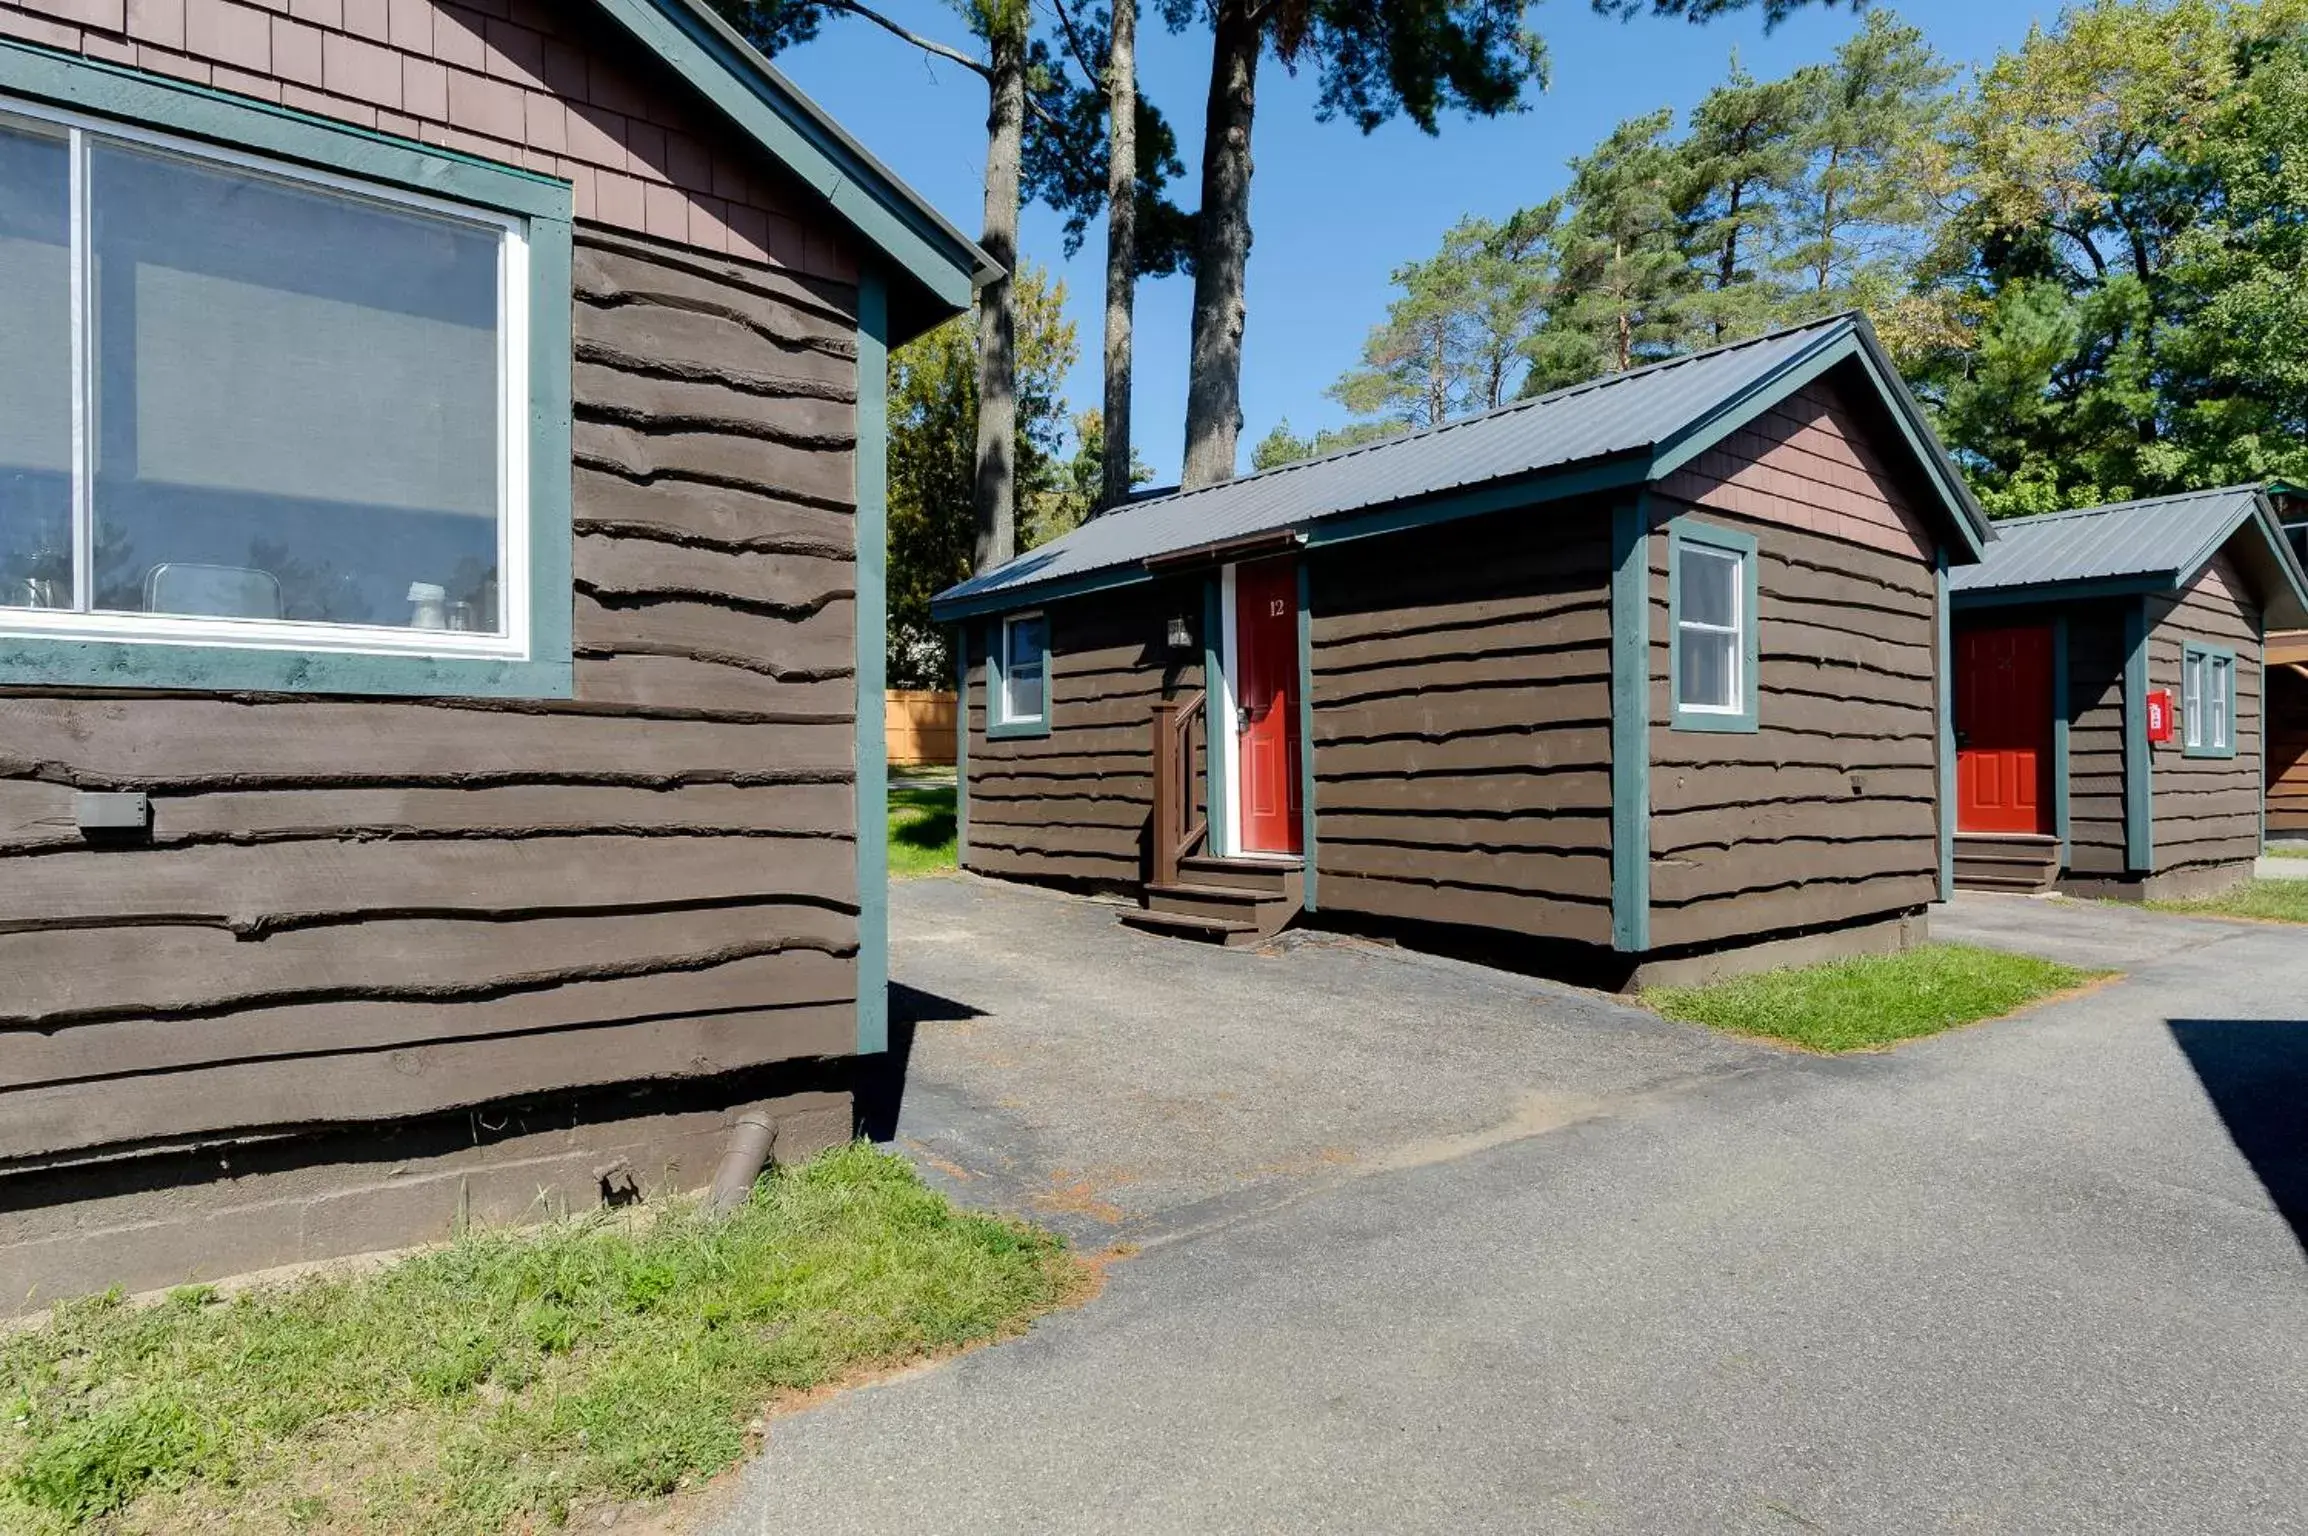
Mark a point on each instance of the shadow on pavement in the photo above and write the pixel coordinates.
(880, 1083)
(2256, 1074)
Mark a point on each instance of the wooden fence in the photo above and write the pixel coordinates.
(921, 728)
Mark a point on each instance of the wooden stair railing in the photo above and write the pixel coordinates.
(1179, 822)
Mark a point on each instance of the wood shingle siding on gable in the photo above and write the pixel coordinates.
(2207, 809)
(1074, 806)
(1462, 723)
(364, 910)
(1828, 812)
(553, 88)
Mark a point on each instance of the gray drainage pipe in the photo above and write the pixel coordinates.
(750, 1142)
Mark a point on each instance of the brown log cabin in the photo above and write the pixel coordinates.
(2288, 693)
(1637, 679)
(441, 538)
(2111, 715)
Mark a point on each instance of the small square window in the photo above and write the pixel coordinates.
(1713, 596)
(1019, 687)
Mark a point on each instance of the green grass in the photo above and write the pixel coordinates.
(2288, 850)
(922, 829)
(508, 1379)
(1872, 1001)
(2283, 901)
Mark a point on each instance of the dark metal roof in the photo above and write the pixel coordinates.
(2162, 541)
(1646, 420)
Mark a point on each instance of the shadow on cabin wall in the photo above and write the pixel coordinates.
(2255, 1072)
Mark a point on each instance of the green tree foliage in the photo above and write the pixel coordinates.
(1283, 446)
(933, 434)
(2091, 261)
(2115, 290)
(1453, 342)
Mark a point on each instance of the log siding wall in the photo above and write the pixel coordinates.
(1074, 806)
(1828, 812)
(2207, 810)
(1462, 724)
(359, 910)
(550, 87)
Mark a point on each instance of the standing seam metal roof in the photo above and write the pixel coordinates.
(2159, 536)
(1601, 420)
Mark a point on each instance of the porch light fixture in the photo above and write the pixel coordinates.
(1181, 634)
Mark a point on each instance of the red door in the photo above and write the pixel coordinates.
(1266, 693)
(2003, 729)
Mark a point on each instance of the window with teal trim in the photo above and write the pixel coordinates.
(1018, 677)
(1711, 592)
(2208, 701)
(268, 422)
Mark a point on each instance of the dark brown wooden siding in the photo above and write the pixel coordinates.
(1073, 806)
(1828, 813)
(1462, 724)
(2207, 810)
(2096, 739)
(2288, 734)
(365, 909)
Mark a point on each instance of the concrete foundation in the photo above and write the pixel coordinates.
(155, 1219)
(1888, 936)
(2175, 885)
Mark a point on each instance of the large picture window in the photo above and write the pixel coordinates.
(1712, 645)
(248, 403)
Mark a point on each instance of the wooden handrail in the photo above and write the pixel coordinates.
(1179, 822)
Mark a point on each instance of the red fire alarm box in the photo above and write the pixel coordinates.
(2160, 714)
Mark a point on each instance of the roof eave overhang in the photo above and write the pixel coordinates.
(2090, 589)
(934, 270)
(958, 602)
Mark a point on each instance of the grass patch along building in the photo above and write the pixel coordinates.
(2076, 633)
(1627, 673)
(441, 529)
(1871, 1001)
(508, 1380)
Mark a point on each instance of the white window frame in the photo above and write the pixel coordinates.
(513, 433)
(1003, 714)
(1735, 631)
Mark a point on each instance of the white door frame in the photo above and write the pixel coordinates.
(1227, 838)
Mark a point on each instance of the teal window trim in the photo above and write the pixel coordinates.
(1631, 725)
(1683, 533)
(999, 728)
(1310, 872)
(2212, 657)
(871, 469)
(544, 207)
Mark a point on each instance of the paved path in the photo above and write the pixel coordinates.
(1465, 1253)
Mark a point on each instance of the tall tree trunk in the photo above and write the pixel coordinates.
(996, 488)
(1222, 250)
(1121, 245)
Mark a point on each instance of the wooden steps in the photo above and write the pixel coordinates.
(1224, 901)
(2006, 861)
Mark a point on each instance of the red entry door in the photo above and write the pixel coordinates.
(2003, 729)
(1266, 694)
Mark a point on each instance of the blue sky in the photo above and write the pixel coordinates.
(1332, 212)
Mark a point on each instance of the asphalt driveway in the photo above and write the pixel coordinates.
(1419, 1247)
